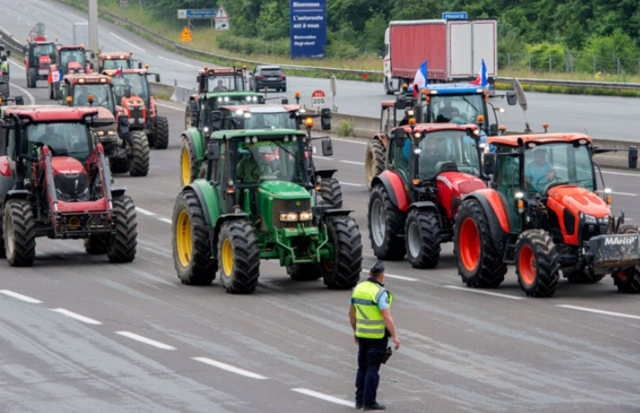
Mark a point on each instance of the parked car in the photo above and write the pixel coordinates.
(270, 77)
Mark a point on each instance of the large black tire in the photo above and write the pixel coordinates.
(331, 192)
(479, 262)
(3, 251)
(188, 163)
(139, 162)
(537, 263)
(386, 224)
(96, 244)
(123, 243)
(190, 242)
(119, 165)
(19, 225)
(4, 90)
(343, 272)
(239, 257)
(422, 236)
(162, 133)
(374, 159)
(628, 280)
(32, 75)
(304, 272)
(584, 276)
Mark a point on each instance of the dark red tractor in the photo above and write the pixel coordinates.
(39, 55)
(55, 182)
(429, 169)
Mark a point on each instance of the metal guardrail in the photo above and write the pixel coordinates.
(10, 42)
(574, 83)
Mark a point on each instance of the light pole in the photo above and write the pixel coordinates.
(93, 25)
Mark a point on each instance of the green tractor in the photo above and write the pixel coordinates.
(259, 200)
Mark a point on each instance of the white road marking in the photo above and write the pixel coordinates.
(324, 158)
(129, 43)
(473, 290)
(624, 194)
(229, 368)
(20, 297)
(593, 310)
(326, 397)
(29, 95)
(180, 63)
(620, 173)
(167, 220)
(350, 184)
(349, 141)
(399, 277)
(75, 17)
(170, 107)
(145, 212)
(353, 162)
(145, 340)
(76, 316)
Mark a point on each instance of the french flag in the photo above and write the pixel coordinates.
(119, 72)
(482, 79)
(420, 81)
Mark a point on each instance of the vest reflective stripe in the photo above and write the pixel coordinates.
(369, 320)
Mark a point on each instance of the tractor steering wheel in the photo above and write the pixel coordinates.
(260, 170)
(546, 184)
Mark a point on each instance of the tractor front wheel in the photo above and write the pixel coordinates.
(188, 164)
(239, 257)
(628, 280)
(139, 162)
(386, 224)
(123, 243)
(191, 246)
(343, 271)
(119, 165)
(422, 235)
(19, 232)
(162, 133)
(331, 192)
(96, 244)
(479, 262)
(374, 158)
(537, 263)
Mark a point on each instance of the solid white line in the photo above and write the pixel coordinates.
(145, 212)
(326, 397)
(167, 220)
(349, 141)
(624, 194)
(350, 184)
(75, 17)
(170, 107)
(471, 290)
(592, 310)
(76, 316)
(20, 297)
(620, 173)
(399, 277)
(324, 158)
(29, 95)
(145, 340)
(353, 162)
(129, 43)
(229, 368)
(180, 63)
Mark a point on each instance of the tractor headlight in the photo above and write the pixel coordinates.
(140, 120)
(306, 216)
(111, 133)
(589, 219)
(100, 133)
(289, 217)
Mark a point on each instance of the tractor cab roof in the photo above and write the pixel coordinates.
(538, 139)
(112, 72)
(51, 113)
(63, 48)
(454, 89)
(83, 78)
(435, 127)
(266, 134)
(234, 93)
(220, 71)
(114, 55)
(266, 108)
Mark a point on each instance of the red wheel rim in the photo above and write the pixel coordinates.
(527, 265)
(623, 275)
(469, 244)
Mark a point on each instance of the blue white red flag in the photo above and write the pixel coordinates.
(119, 72)
(482, 79)
(420, 80)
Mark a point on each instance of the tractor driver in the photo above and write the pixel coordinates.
(448, 111)
(55, 141)
(540, 171)
(251, 168)
(220, 87)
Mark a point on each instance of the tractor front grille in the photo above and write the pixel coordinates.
(290, 205)
(72, 187)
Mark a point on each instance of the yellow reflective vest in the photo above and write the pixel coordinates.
(369, 320)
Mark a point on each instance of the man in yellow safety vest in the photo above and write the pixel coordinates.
(370, 317)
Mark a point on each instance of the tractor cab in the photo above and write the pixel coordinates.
(39, 56)
(72, 59)
(266, 116)
(117, 60)
(131, 88)
(199, 109)
(221, 79)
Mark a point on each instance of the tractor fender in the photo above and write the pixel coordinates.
(395, 188)
(17, 194)
(427, 206)
(116, 192)
(496, 213)
(196, 142)
(325, 173)
(382, 138)
(336, 212)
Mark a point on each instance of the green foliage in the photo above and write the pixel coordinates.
(251, 45)
(547, 54)
(345, 129)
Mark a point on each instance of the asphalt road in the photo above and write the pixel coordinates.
(601, 117)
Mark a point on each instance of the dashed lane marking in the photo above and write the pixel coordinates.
(353, 162)
(619, 173)
(229, 368)
(20, 297)
(123, 40)
(75, 17)
(167, 220)
(145, 340)
(325, 397)
(351, 184)
(180, 63)
(593, 310)
(476, 291)
(145, 212)
(398, 277)
(76, 316)
(355, 142)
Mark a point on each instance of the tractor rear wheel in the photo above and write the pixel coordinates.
(422, 236)
(190, 242)
(32, 75)
(96, 244)
(122, 244)
(119, 165)
(343, 271)
(188, 163)
(374, 160)
(4, 90)
(162, 133)
(239, 257)
(628, 281)
(537, 263)
(19, 232)
(331, 192)
(139, 163)
(304, 272)
(386, 223)
(479, 262)
(584, 276)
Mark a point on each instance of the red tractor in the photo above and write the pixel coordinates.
(429, 169)
(116, 60)
(55, 182)
(39, 55)
(544, 213)
(70, 59)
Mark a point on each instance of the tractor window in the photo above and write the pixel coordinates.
(400, 156)
(62, 138)
(216, 102)
(3, 140)
(555, 163)
(456, 109)
(101, 94)
(447, 148)
(219, 171)
(280, 120)
(11, 144)
(507, 180)
(138, 83)
(68, 56)
(274, 160)
(115, 64)
(225, 83)
(44, 50)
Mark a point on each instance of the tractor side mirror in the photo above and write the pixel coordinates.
(216, 120)
(489, 163)
(284, 101)
(157, 78)
(123, 127)
(325, 119)
(633, 157)
(493, 129)
(19, 100)
(213, 152)
(327, 147)
(127, 91)
(511, 98)
(399, 135)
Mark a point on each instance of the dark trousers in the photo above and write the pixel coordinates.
(370, 355)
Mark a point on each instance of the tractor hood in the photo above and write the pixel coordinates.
(44, 62)
(277, 197)
(577, 199)
(452, 187)
(283, 190)
(66, 165)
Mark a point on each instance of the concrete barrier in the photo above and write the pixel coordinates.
(160, 89)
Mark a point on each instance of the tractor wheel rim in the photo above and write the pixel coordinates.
(378, 224)
(186, 167)
(527, 265)
(227, 257)
(623, 275)
(469, 244)
(413, 239)
(184, 239)
(9, 231)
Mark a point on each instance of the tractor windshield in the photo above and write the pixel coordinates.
(101, 93)
(71, 55)
(558, 163)
(44, 50)
(138, 83)
(62, 138)
(225, 83)
(459, 109)
(215, 102)
(275, 120)
(115, 64)
(270, 160)
(445, 149)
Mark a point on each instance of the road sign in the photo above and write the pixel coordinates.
(308, 28)
(197, 13)
(317, 98)
(222, 19)
(186, 36)
(222, 13)
(454, 15)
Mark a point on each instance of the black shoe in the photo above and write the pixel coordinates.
(358, 405)
(374, 407)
